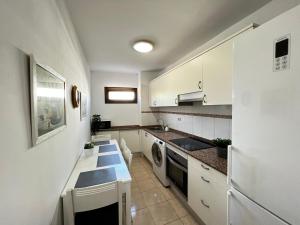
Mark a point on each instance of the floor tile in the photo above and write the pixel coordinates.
(146, 184)
(135, 191)
(162, 213)
(141, 176)
(179, 208)
(176, 222)
(188, 220)
(152, 203)
(168, 194)
(157, 182)
(142, 217)
(134, 184)
(153, 196)
(137, 202)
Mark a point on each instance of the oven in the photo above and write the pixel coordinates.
(177, 169)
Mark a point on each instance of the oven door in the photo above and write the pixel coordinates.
(177, 174)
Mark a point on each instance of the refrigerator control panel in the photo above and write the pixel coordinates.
(281, 59)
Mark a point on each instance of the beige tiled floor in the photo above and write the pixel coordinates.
(153, 204)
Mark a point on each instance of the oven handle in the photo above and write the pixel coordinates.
(176, 164)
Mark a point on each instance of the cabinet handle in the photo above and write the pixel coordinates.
(207, 181)
(204, 99)
(204, 167)
(203, 203)
(200, 85)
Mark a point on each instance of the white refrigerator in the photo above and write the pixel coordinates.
(264, 160)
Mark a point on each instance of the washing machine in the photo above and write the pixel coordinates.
(159, 161)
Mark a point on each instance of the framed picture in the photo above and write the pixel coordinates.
(83, 106)
(48, 102)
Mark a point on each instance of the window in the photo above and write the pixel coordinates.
(119, 95)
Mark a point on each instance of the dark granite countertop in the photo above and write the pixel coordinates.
(208, 156)
(117, 128)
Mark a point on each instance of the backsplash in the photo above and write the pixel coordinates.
(215, 124)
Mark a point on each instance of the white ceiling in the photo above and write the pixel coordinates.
(106, 28)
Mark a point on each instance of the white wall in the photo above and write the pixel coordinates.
(119, 114)
(147, 118)
(32, 178)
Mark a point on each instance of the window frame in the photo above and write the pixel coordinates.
(109, 101)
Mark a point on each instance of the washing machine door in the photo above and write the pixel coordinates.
(157, 155)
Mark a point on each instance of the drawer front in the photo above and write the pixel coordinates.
(198, 200)
(207, 171)
(207, 188)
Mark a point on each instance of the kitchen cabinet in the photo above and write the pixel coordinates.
(188, 77)
(132, 138)
(113, 134)
(163, 91)
(207, 192)
(146, 144)
(210, 73)
(154, 88)
(217, 75)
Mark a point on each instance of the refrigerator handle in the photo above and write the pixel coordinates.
(229, 168)
(229, 195)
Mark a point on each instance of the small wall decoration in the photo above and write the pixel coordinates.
(48, 102)
(83, 106)
(75, 96)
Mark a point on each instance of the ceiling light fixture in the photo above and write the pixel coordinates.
(143, 46)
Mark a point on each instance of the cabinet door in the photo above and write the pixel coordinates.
(154, 89)
(114, 134)
(169, 90)
(163, 92)
(132, 139)
(142, 140)
(189, 76)
(147, 145)
(217, 74)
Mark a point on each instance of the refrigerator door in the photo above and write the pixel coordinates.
(243, 211)
(266, 119)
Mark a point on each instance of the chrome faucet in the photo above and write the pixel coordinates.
(162, 124)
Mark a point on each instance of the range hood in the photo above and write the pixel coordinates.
(191, 97)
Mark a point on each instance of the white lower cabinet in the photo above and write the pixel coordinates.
(113, 134)
(132, 138)
(207, 192)
(146, 144)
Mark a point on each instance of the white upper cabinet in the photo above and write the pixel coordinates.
(217, 75)
(155, 96)
(189, 76)
(163, 91)
(209, 73)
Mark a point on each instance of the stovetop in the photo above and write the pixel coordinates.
(191, 144)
